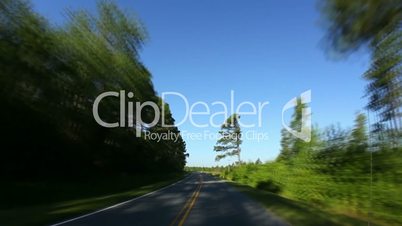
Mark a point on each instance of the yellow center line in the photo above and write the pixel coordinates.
(188, 206)
(191, 205)
(184, 208)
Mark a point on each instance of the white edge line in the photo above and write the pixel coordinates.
(120, 204)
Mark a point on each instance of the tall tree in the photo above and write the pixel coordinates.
(286, 145)
(378, 25)
(385, 81)
(230, 140)
(49, 79)
(358, 137)
(291, 145)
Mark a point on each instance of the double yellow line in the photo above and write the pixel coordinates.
(185, 211)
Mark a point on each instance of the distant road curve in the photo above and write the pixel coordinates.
(198, 199)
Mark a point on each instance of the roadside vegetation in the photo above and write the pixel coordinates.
(339, 171)
(50, 77)
(56, 161)
(327, 180)
(353, 172)
(298, 212)
(338, 189)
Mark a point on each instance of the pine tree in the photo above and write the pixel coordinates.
(385, 77)
(359, 132)
(286, 145)
(230, 141)
(378, 26)
(291, 145)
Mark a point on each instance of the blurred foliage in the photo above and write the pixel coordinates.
(377, 25)
(49, 79)
(335, 172)
(353, 24)
(268, 185)
(385, 87)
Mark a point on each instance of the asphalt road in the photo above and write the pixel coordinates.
(199, 199)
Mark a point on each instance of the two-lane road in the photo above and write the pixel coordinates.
(199, 199)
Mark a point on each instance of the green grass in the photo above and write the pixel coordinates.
(297, 212)
(342, 191)
(45, 203)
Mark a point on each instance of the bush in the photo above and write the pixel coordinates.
(268, 185)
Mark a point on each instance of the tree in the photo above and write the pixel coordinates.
(230, 140)
(49, 80)
(286, 145)
(384, 89)
(291, 145)
(352, 24)
(359, 132)
(376, 24)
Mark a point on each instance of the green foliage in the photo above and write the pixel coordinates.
(49, 79)
(297, 212)
(291, 145)
(268, 185)
(359, 137)
(384, 88)
(334, 172)
(230, 140)
(352, 24)
(365, 169)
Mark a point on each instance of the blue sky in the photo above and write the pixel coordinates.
(262, 50)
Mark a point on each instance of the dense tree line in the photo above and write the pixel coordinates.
(50, 76)
(337, 169)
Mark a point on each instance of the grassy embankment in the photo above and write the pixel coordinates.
(302, 197)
